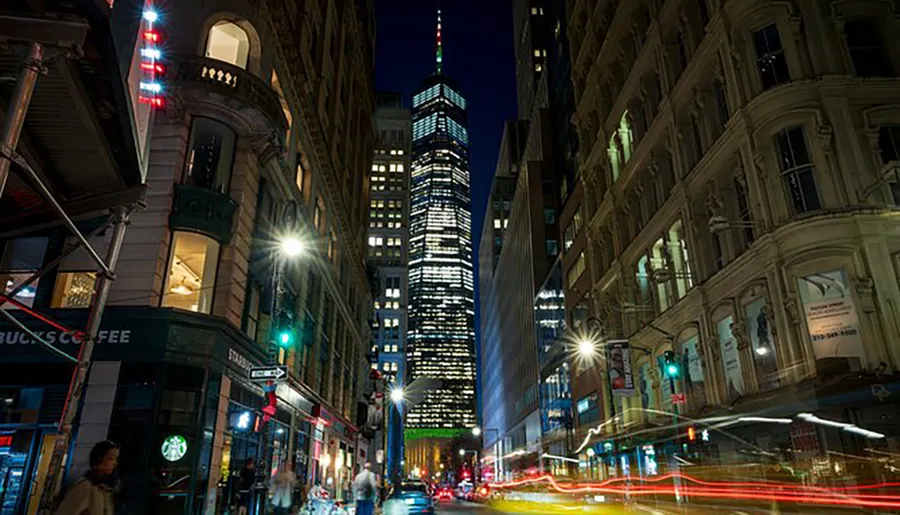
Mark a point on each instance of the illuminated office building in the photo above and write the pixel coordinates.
(441, 339)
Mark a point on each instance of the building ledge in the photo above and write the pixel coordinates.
(203, 210)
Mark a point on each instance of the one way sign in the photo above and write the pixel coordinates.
(271, 373)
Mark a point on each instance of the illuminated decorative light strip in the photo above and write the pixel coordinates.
(766, 420)
(150, 86)
(850, 428)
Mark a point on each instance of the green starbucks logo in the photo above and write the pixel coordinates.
(174, 448)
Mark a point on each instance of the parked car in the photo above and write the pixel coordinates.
(409, 498)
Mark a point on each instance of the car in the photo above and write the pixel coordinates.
(444, 494)
(409, 498)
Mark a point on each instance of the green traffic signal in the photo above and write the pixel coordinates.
(672, 369)
(285, 338)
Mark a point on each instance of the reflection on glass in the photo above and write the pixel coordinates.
(192, 272)
(211, 155)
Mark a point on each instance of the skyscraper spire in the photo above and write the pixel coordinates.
(440, 45)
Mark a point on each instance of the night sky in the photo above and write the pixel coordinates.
(478, 54)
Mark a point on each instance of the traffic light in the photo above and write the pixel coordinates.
(285, 332)
(672, 368)
(692, 433)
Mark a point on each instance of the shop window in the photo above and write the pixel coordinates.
(731, 358)
(797, 170)
(832, 320)
(762, 343)
(211, 155)
(21, 258)
(866, 48)
(771, 63)
(229, 43)
(73, 290)
(190, 280)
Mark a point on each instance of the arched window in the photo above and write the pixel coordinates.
(190, 281)
(228, 42)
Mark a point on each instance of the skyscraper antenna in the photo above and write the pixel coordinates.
(439, 57)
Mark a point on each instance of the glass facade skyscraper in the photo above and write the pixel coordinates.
(441, 339)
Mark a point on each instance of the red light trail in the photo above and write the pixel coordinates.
(762, 490)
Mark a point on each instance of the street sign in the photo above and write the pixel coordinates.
(679, 398)
(271, 373)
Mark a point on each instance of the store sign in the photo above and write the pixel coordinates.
(239, 360)
(679, 398)
(117, 336)
(618, 359)
(6, 440)
(174, 448)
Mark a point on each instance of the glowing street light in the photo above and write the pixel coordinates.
(476, 431)
(292, 247)
(397, 395)
(586, 348)
(462, 452)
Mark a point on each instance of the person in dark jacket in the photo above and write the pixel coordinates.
(93, 493)
(246, 480)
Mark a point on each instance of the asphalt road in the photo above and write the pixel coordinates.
(461, 508)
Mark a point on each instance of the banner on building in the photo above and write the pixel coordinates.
(731, 358)
(618, 363)
(830, 315)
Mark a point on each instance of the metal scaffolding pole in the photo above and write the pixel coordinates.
(18, 106)
(55, 469)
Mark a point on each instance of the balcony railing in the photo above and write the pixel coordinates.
(231, 82)
(203, 210)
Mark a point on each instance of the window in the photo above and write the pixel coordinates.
(228, 42)
(211, 155)
(889, 143)
(722, 111)
(251, 317)
(276, 85)
(318, 213)
(21, 258)
(549, 216)
(797, 170)
(743, 204)
(191, 278)
(552, 247)
(73, 290)
(497, 223)
(576, 270)
(703, 9)
(770, 60)
(867, 50)
(588, 408)
(301, 174)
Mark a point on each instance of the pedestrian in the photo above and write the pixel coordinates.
(246, 480)
(93, 493)
(365, 487)
(282, 488)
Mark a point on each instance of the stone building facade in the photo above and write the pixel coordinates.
(740, 202)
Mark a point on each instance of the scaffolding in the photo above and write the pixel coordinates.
(39, 36)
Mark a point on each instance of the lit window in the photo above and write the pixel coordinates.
(300, 176)
(538, 67)
(537, 53)
(497, 223)
(73, 290)
(211, 154)
(192, 272)
(228, 42)
(22, 257)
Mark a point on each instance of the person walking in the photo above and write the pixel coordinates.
(246, 480)
(365, 486)
(93, 493)
(282, 487)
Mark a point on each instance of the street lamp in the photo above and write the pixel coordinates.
(476, 431)
(291, 246)
(462, 452)
(586, 347)
(397, 395)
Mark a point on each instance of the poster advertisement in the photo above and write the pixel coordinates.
(762, 344)
(731, 358)
(830, 315)
(618, 360)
